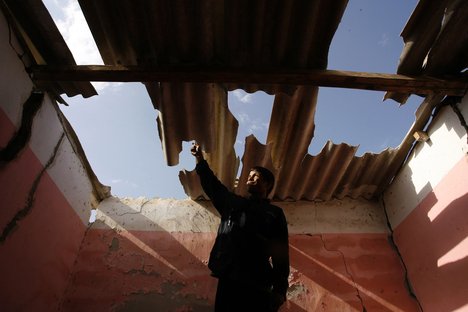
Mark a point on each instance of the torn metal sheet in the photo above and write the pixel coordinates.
(436, 42)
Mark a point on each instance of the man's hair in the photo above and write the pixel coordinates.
(267, 175)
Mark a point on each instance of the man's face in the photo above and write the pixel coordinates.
(255, 183)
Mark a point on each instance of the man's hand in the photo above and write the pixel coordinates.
(196, 151)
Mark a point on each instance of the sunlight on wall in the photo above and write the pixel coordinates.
(462, 309)
(135, 240)
(457, 253)
(349, 281)
(305, 303)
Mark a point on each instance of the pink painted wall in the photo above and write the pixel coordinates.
(36, 258)
(141, 270)
(346, 272)
(433, 242)
(427, 206)
(45, 192)
(136, 271)
(52, 261)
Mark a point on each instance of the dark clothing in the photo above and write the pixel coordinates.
(251, 249)
(236, 296)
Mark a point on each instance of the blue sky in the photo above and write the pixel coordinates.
(118, 127)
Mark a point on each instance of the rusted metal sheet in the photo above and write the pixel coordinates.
(334, 173)
(45, 45)
(197, 112)
(436, 41)
(294, 34)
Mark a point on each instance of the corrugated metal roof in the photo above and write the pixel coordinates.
(257, 34)
(436, 41)
(232, 33)
(39, 34)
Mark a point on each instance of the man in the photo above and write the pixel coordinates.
(250, 256)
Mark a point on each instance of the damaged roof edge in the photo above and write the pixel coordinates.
(100, 190)
(38, 34)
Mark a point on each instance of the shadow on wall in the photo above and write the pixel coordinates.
(433, 237)
(121, 269)
(349, 272)
(126, 270)
(433, 242)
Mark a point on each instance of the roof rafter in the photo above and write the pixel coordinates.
(200, 74)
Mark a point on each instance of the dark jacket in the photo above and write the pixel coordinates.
(251, 232)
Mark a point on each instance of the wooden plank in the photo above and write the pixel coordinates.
(324, 78)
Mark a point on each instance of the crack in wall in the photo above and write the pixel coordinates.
(70, 274)
(11, 226)
(139, 209)
(23, 134)
(128, 213)
(391, 240)
(358, 293)
(453, 103)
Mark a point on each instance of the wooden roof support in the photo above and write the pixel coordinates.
(325, 78)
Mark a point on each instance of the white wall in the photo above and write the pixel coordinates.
(429, 163)
(335, 216)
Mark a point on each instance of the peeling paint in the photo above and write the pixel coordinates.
(114, 246)
(295, 290)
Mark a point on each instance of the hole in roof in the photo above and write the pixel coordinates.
(72, 24)
(361, 118)
(253, 112)
(368, 36)
(118, 132)
(92, 216)
(118, 128)
(367, 40)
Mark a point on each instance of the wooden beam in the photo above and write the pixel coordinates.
(324, 78)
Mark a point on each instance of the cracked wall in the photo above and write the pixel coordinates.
(427, 208)
(145, 254)
(152, 254)
(45, 193)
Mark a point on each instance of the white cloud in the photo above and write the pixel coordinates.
(243, 118)
(242, 96)
(384, 40)
(76, 33)
(252, 126)
(256, 127)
